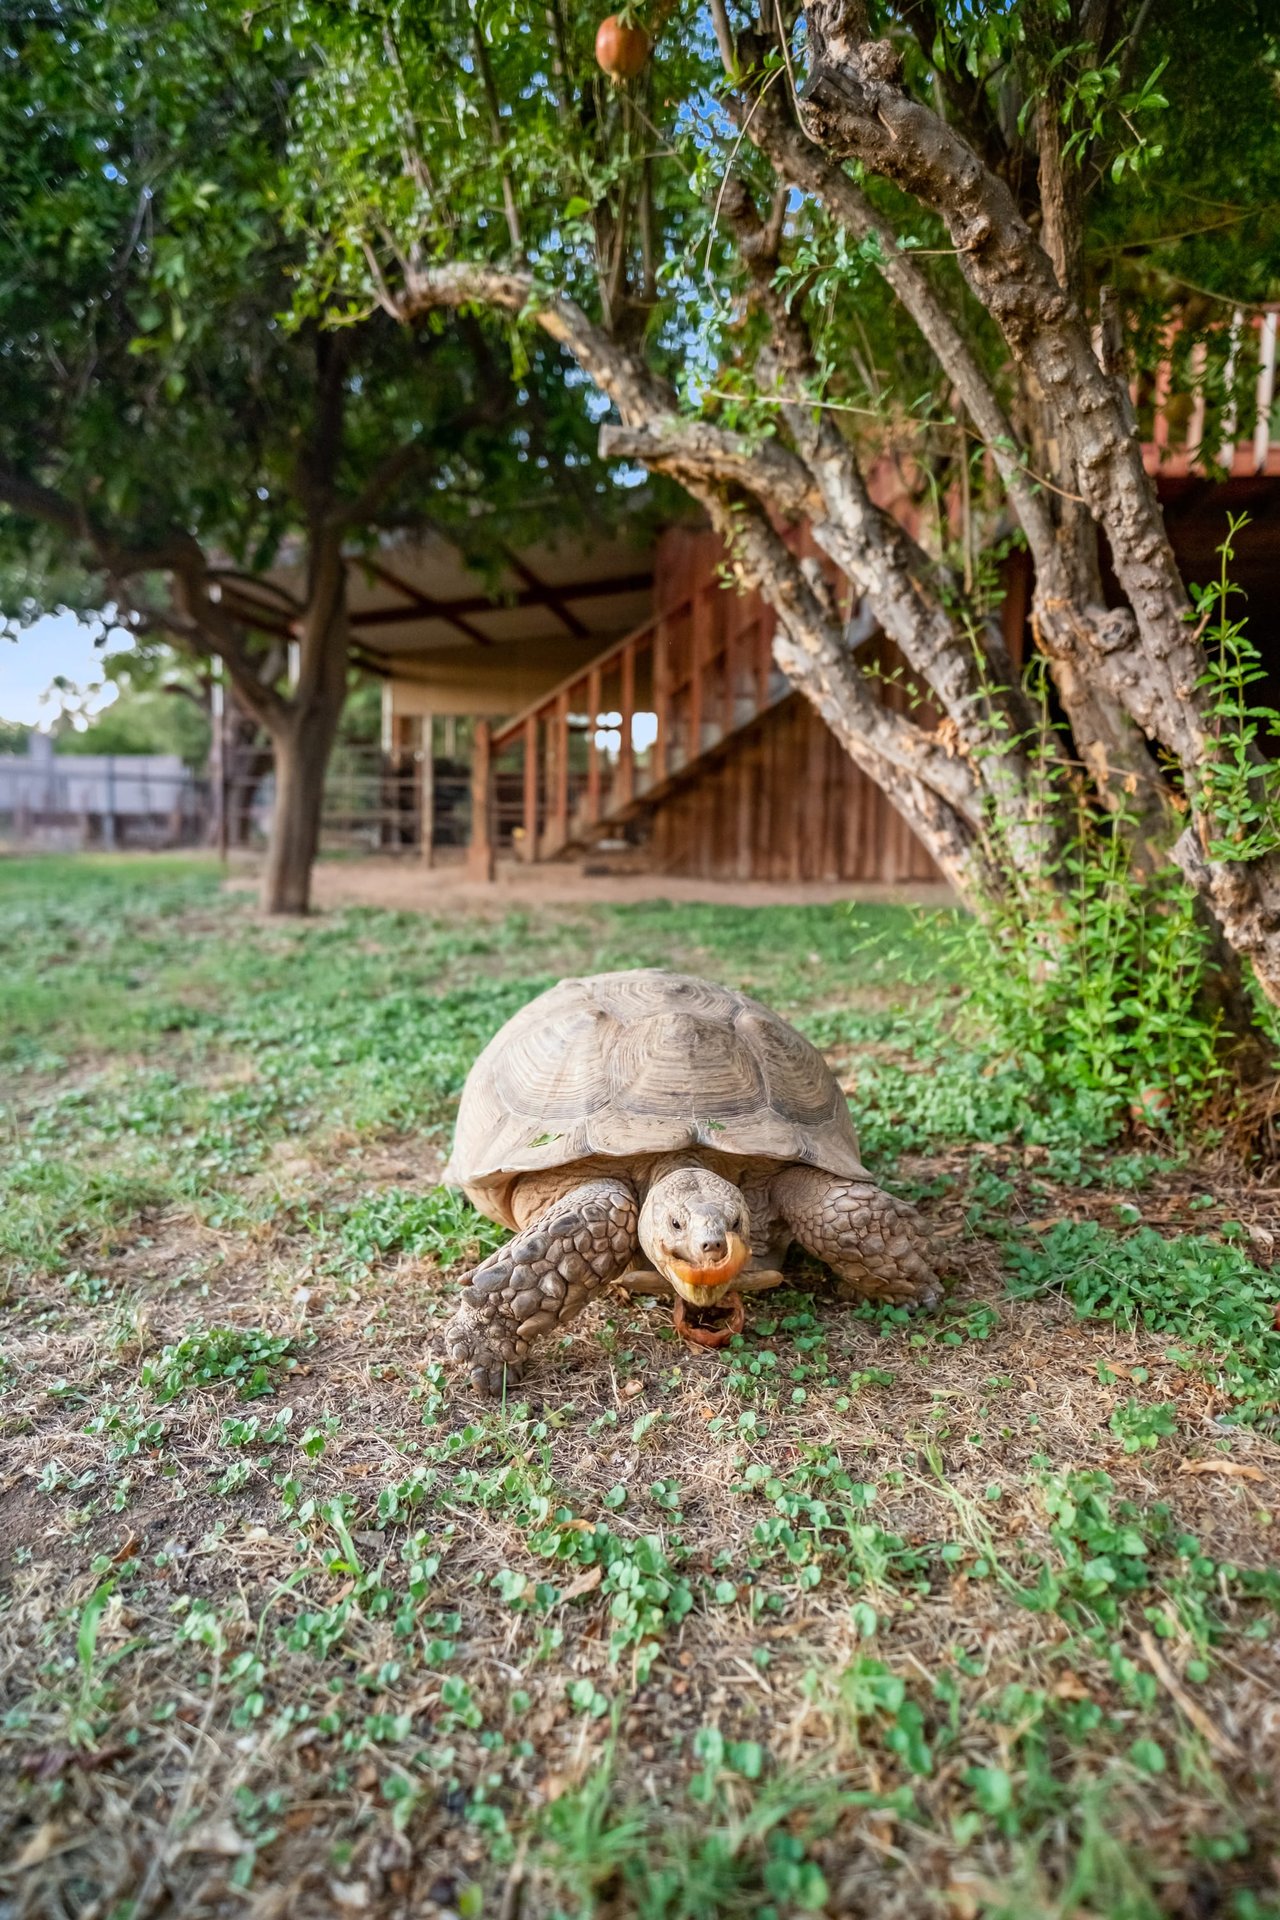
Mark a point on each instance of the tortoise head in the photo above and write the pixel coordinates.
(695, 1229)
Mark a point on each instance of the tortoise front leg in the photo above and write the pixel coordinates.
(874, 1244)
(542, 1278)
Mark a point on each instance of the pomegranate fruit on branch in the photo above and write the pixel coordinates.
(622, 46)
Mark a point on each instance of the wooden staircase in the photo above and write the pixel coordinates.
(625, 730)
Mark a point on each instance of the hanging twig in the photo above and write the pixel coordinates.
(485, 68)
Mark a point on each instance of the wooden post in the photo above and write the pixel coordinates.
(1266, 391)
(218, 759)
(1160, 398)
(729, 627)
(593, 756)
(480, 855)
(560, 797)
(661, 700)
(698, 660)
(764, 656)
(626, 781)
(109, 809)
(530, 820)
(427, 792)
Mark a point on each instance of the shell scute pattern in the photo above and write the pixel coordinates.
(647, 1062)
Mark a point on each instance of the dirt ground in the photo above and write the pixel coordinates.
(406, 885)
(974, 1616)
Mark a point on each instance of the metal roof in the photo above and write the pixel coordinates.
(420, 597)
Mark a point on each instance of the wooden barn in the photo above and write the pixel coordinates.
(674, 745)
(613, 701)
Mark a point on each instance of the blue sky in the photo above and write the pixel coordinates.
(57, 646)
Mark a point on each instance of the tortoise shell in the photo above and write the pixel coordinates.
(641, 1062)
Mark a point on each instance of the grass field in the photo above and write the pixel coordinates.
(977, 1615)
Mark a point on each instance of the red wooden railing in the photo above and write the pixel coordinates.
(1184, 431)
(625, 728)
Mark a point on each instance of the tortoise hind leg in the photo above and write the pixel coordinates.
(874, 1244)
(542, 1278)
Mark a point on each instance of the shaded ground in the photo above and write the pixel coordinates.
(978, 1615)
(601, 881)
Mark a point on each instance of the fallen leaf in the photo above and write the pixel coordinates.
(1231, 1469)
(585, 1583)
(1262, 1239)
(349, 1893)
(39, 1846)
(51, 1761)
(215, 1836)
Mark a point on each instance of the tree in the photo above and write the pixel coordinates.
(171, 440)
(766, 209)
(156, 709)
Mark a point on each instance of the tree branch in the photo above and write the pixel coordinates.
(934, 791)
(696, 451)
(806, 166)
(856, 108)
(36, 502)
(980, 698)
(637, 393)
(381, 482)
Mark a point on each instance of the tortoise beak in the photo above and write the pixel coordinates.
(703, 1286)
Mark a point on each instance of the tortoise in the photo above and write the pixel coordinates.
(653, 1129)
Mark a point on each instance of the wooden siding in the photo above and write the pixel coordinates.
(738, 777)
(784, 802)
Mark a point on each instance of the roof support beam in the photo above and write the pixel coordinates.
(420, 604)
(453, 610)
(555, 601)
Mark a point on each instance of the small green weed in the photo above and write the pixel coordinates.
(245, 1357)
(1207, 1296)
(819, 1530)
(741, 1844)
(439, 1226)
(1141, 1428)
(1241, 778)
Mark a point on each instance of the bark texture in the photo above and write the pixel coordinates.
(1145, 658)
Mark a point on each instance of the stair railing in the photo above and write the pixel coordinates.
(616, 733)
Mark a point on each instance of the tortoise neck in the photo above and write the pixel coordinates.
(662, 1164)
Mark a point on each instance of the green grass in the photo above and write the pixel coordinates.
(171, 1043)
(1214, 1304)
(854, 1617)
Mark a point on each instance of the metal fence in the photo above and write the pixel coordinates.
(374, 802)
(60, 802)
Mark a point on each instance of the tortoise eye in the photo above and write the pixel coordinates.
(677, 1224)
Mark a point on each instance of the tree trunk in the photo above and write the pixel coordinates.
(301, 750)
(250, 763)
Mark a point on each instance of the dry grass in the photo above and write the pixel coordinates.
(378, 1658)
